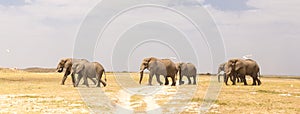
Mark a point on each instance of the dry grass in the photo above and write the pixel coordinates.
(24, 92)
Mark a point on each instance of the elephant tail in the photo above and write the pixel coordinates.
(258, 74)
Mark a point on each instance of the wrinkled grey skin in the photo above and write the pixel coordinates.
(158, 67)
(241, 68)
(67, 63)
(88, 69)
(187, 69)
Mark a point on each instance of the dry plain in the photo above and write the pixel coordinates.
(28, 92)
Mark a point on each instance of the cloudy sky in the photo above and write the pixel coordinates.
(37, 33)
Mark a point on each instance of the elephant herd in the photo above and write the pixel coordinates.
(84, 69)
(167, 68)
(235, 69)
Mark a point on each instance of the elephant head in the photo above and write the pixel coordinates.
(144, 65)
(220, 69)
(64, 63)
(178, 66)
(233, 65)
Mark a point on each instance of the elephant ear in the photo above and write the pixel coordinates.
(152, 64)
(179, 65)
(147, 59)
(79, 67)
(68, 63)
(238, 65)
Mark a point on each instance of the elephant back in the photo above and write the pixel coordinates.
(170, 66)
(252, 66)
(98, 66)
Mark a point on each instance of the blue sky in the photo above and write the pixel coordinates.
(40, 32)
(12, 2)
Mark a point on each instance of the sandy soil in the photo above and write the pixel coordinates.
(23, 92)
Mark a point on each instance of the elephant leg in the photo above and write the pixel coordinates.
(238, 79)
(224, 76)
(189, 79)
(73, 79)
(104, 83)
(244, 79)
(258, 81)
(150, 78)
(63, 80)
(232, 78)
(180, 80)
(226, 80)
(173, 80)
(100, 80)
(166, 80)
(254, 81)
(86, 81)
(194, 78)
(158, 79)
(94, 81)
(65, 77)
(78, 79)
(83, 83)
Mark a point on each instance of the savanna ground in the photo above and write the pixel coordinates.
(25, 92)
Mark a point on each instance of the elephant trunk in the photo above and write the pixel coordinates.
(218, 77)
(141, 73)
(218, 74)
(59, 69)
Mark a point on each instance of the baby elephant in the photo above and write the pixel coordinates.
(188, 70)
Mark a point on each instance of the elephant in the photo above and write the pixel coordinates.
(67, 64)
(89, 69)
(158, 67)
(222, 68)
(188, 70)
(241, 68)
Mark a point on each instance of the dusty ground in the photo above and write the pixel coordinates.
(24, 92)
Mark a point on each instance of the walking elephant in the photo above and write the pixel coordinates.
(221, 68)
(89, 69)
(67, 64)
(158, 67)
(188, 70)
(241, 68)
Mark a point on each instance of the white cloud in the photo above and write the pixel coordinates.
(28, 1)
(269, 32)
(46, 28)
(41, 28)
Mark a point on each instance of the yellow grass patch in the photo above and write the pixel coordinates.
(24, 92)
